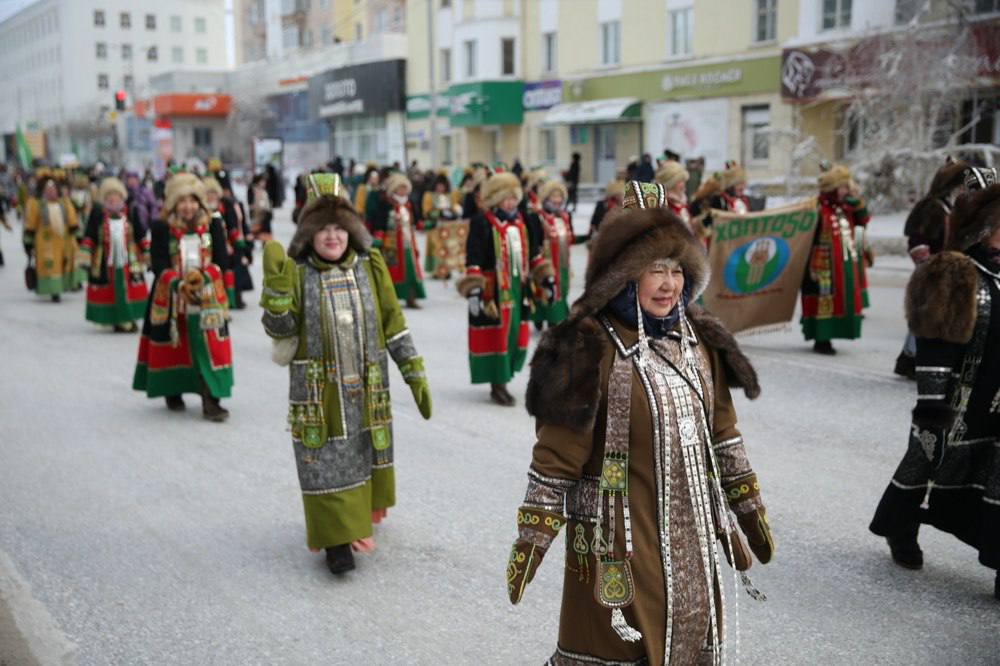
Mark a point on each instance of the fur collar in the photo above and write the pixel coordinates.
(941, 298)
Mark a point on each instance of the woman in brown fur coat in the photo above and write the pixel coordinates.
(953, 457)
(636, 431)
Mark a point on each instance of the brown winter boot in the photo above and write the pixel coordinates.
(211, 409)
(411, 300)
(340, 559)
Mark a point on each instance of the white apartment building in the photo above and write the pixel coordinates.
(61, 62)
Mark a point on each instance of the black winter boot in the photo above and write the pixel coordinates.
(906, 551)
(824, 347)
(906, 366)
(340, 559)
(175, 403)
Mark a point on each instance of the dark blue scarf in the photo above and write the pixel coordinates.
(624, 307)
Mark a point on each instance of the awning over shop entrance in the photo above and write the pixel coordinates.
(596, 111)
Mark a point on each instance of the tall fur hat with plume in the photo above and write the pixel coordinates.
(327, 205)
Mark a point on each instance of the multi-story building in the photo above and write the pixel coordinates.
(62, 61)
(270, 29)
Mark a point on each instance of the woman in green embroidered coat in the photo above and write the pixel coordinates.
(638, 454)
(331, 310)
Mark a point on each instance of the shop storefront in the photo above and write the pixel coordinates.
(723, 111)
(306, 141)
(365, 107)
(485, 119)
(185, 126)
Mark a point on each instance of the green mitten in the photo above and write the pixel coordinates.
(413, 373)
(279, 278)
(536, 530)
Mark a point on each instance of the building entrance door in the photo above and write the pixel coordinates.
(605, 162)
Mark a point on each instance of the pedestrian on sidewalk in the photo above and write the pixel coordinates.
(572, 178)
(637, 439)
(952, 461)
(185, 345)
(503, 262)
(393, 225)
(926, 230)
(834, 287)
(114, 253)
(50, 225)
(330, 308)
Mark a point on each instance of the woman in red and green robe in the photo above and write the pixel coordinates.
(503, 263)
(114, 254)
(393, 226)
(552, 225)
(185, 345)
(834, 288)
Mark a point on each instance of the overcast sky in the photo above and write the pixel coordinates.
(10, 7)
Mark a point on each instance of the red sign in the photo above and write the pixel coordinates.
(953, 56)
(186, 104)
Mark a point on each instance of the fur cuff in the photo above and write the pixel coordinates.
(283, 350)
(941, 298)
(542, 271)
(564, 388)
(470, 282)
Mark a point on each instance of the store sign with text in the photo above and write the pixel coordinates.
(371, 89)
(542, 95)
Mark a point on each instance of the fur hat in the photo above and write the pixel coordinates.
(212, 185)
(534, 177)
(395, 181)
(628, 242)
(732, 176)
(324, 210)
(976, 216)
(499, 187)
(834, 177)
(550, 187)
(947, 178)
(109, 186)
(81, 181)
(183, 184)
(615, 188)
(671, 173)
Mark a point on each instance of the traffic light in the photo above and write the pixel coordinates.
(119, 100)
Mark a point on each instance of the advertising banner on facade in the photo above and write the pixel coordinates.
(698, 128)
(542, 95)
(757, 262)
(372, 89)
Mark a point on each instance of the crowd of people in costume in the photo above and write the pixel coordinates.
(638, 458)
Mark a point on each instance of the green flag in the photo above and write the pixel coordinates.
(24, 155)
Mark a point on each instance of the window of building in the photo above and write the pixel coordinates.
(129, 82)
(150, 21)
(98, 18)
(906, 10)
(125, 20)
(681, 31)
(203, 137)
(766, 17)
(175, 23)
(290, 36)
(987, 6)
(470, 58)
(326, 36)
(199, 24)
(756, 134)
(359, 32)
(610, 43)
(177, 54)
(102, 81)
(446, 149)
(445, 65)
(507, 56)
(126, 51)
(152, 55)
(445, 3)
(548, 143)
(836, 14)
(307, 39)
(102, 50)
(201, 56)
(381, 21)
(549, 52)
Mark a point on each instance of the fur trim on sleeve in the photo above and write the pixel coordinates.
(543, 270)
(470, 282)
(564, 387)
(739, 371)
(941, 298)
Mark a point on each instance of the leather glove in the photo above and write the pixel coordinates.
(413, 373)
(758, 533)
(279, 278)
(536, 530)
(475, 299)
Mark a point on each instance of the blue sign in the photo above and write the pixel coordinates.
(541, 95)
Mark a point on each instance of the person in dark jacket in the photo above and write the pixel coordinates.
(572, 179)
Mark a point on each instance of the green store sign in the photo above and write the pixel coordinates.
(744, 77)
(476, 103)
